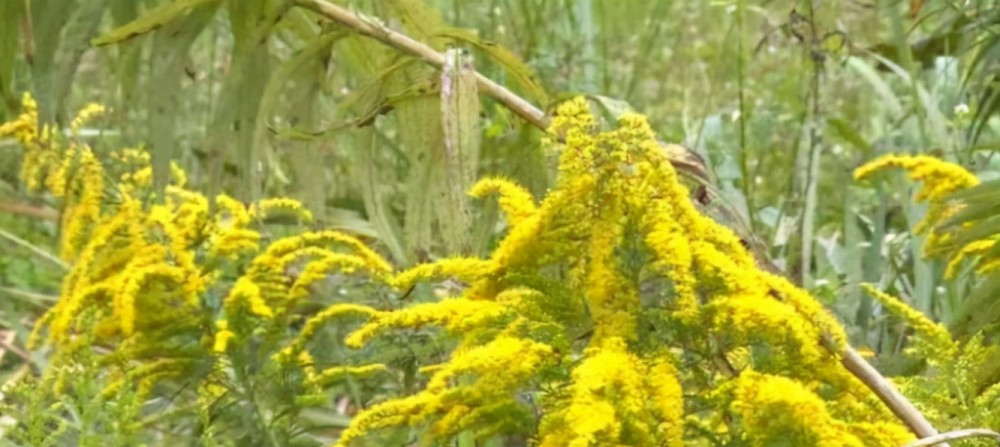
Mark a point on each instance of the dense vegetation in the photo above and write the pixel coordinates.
(586, 222)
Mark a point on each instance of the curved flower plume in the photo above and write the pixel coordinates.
(940, 179)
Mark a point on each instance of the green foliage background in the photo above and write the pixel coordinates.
(781, 98)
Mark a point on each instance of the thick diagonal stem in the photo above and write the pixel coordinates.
(888, 394)
(371, 27)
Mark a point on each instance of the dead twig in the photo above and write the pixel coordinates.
(955, 435)
(29, 210)
(888, 394)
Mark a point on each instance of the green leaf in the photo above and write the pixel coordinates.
(986, 191)
(158, 17)
(371, 176)
(299, 70)
(847, 132)
(419, 20)
(11, 12)
(167, 60)
(973, 212)
(611, 108)
(523, 74)
(980, 309)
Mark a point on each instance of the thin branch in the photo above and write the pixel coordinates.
(955, 435)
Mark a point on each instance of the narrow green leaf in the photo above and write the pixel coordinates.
(371, 176)
(301, 71)
(152, 20)
(53, 62)
(422, 137)
(127, 64)
(986, 191)
(11, 13)
(522, 73)
(847, 132)
(167, 60)
(974, 212)
(420, 21)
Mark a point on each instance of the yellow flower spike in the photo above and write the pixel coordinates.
(515, 201)
(85, 115)
(935, 333)
(940, 177)
(499, 366)
(222, 337)
(608, 398)
(317, 321)
(505, 355)
(667, 397)
(462, 269)
(986, 267)
(148, 372)
(271, 257)
(778, 409)
(319, 269)
(970, 250)
(612, 299)
(247, 292)
(233, 242)
(264, 208)
(35, 336)
(25, 126)
(232, 212)
(83, 209)
(458, 315)
(125, 300)
(411, 410)
(70, 307)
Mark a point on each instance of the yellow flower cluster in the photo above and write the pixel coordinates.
(485, 405)
(940, 180)
(778, 411)
(935, 334)
(615, 398)
(145, 269)
(558, 314)
(559, 275)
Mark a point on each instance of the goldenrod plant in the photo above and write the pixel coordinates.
(960, 382)
(169, 285)
(960, 386)
(960, 227)
(611, 312)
